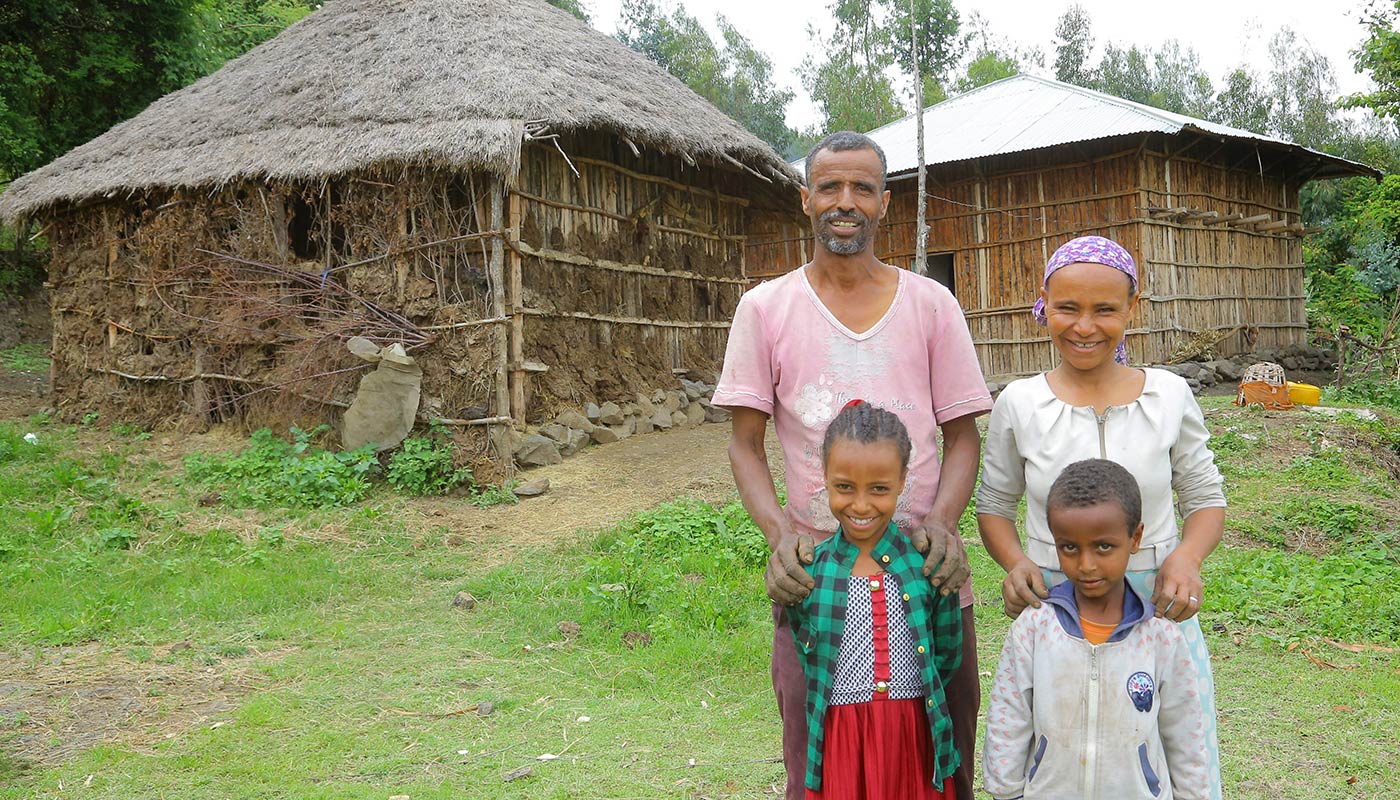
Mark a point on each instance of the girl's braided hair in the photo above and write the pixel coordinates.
(859, 421)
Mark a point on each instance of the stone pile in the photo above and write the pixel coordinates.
(611, 421)
(1202, 375)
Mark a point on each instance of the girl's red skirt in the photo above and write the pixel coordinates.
(879, 750)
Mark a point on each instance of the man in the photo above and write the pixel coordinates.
(843, 327)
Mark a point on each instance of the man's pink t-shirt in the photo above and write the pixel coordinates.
(790, 358)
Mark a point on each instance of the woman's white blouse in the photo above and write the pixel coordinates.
(1161, 438)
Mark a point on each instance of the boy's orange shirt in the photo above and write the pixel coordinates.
(1094, 633)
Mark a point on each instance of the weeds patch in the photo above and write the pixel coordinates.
(292, 474)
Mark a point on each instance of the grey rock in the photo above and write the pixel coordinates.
(644, 405)
(575, 420)
(592, 411)
(644, 424)
(538, 451)
(1189, 370)
(1207, 378)
(662, 420)
(694, 389)
(672, 401)
(577, 441)
(533, 488)
(485, 709)
(715, 413)
(658, 396)
(557, 432)
(1194, 384)
(695, 414)
(610, 413)
(631, 409)
(622, 431)
(1226, 369)
(464, 601)
(603, 435)
(678, 418)
(1289, 363)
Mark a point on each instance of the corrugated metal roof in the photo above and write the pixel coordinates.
(1026, 112)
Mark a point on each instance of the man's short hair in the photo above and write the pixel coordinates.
(841, 141)
(1092, 482)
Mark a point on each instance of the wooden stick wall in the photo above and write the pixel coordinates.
(1194, 226)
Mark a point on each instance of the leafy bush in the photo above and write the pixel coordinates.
(1353, 596)
(423, 465)
(682, 566)
(1370, 390)
(276, 472)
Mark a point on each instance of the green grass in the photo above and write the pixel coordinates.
(28, 357)
(358, 678)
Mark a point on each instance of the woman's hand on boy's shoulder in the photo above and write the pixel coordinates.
(1023, 587)
(786, 578)
(945, 557)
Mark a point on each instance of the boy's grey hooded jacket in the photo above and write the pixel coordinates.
(1071, 720)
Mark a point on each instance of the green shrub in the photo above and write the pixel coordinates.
(1352, 596)
(423, 466)
(1369, 390)
(294, 474)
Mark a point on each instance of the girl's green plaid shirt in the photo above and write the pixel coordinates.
(934, 620)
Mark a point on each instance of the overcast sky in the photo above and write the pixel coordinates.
(1224, 34)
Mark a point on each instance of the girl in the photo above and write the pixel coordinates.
(1094, 406)
(876, 641)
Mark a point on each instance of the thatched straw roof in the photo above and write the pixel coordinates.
(379, 82)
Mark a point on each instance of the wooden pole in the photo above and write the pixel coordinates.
(517, 317)
(500, 435)
(921, 225)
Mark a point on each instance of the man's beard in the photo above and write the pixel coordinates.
(843, 247)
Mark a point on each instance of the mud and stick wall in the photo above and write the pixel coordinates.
(185, 308)
(630, 268)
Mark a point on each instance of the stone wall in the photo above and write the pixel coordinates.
(572, 430)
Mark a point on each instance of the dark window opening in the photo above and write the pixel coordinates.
(940, 268)
(304, 230)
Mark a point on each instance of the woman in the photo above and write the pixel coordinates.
(1092, 405)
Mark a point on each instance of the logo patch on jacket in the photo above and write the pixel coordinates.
(1140, 687)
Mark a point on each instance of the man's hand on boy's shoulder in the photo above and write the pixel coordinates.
(786, 578)
(945, 557)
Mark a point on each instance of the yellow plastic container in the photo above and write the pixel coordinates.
(1304, 394)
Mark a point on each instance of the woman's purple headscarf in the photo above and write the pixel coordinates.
(1090, 250)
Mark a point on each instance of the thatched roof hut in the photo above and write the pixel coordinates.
(442, 83)
(1020, 166)
(543, 216)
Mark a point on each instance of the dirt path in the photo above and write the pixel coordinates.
(601, 486)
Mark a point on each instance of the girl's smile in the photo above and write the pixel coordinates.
(863, 482)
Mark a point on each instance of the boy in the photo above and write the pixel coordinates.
(1094, 696)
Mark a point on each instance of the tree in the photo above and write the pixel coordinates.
(1243, 103)
(1380, 56)
(736, 77)
(1125, 73)
(1180, 83)
(574, 7)
(853, 78)
(70, 69)
(1301, 87)
(991, 58)
(1074, 42)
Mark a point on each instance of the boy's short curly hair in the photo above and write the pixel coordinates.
(1095, 481)
(861, 422)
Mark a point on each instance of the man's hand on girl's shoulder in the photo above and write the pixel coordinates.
(945, 557)
(786, 578)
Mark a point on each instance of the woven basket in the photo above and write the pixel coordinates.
(1266, 371)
